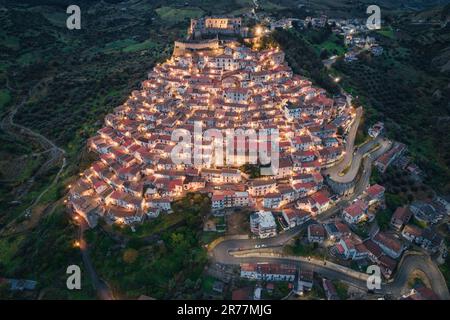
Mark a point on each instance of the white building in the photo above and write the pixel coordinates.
(262, 223)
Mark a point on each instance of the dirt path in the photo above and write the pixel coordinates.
(56, 154)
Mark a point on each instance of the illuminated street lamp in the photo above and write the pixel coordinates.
(258, 31)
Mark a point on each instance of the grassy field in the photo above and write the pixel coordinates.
(5, 98)
(332, 44)
(145, 45)
(171, 14)
(387, 32)
(8, 248)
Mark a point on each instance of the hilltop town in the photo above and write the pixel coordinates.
(321, 185)
(222, 85)
(134, 148)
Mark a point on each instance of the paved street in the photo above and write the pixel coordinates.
(422, 262)
(103, 291)
(230, 252)
(348, 147)
(352, 163)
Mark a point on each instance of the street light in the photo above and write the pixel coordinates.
(258, 31)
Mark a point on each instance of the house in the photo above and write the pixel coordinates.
(284, 168)
(262, 223)
(387, 265)
(160, 203)
(376, 129)
(288, 194)
(383, 162)
(193, 183)
(412, 233)
(303, 142)
(125, 216)
(352, 248)
(315, 203)
(221, 175)
(229, 199)
(268, 271)
(390, 245)
(152, 212)
(316, 233)
(337, 230)
(426, 212)
(218, 202)
(330, 289)
(322, 201)
(304, 281)
(292, 111)
(431, 241)
(272, 200)
(231, 175)
(400, 218)
(374, 251)
(295, 217)
(375, 194)
(124, 200)
(258, 188)
(356, 212)
(236, 95)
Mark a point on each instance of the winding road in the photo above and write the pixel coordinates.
(104, 292)
(235, 252)
(232, 251)
(411, 262)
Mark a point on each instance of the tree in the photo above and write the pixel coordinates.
(324, 54)
(130, 255)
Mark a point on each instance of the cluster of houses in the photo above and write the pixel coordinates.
(225, 87)
(365, 206)
(389, 157)
(422, 233)
(382, 248)
(263, 223)
(354, 31)
(302, 279)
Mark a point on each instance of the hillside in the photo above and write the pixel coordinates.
(408, 87)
